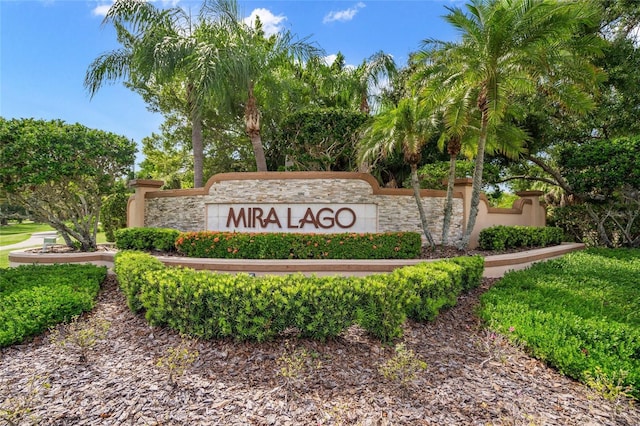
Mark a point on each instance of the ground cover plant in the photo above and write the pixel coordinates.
(34, 298)
(579, 313)
(211, 305)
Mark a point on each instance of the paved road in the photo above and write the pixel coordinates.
(35, 240)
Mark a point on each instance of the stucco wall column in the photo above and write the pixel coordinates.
(465, 187)
(135, 207)
(538, 211)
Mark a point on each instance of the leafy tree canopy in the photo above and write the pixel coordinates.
(323, 138)
(60, 172)
(605, 174)
(600, 168)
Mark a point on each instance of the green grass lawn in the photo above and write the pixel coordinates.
(4, 254)
(18, 232)
(579, 314)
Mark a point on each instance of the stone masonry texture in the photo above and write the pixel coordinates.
(395, 212)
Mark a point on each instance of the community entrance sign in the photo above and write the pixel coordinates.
(317, 202)
(292, 217)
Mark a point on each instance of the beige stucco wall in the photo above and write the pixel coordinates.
(186, 209)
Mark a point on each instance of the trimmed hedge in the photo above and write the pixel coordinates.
(504, 237)
(34, 298)
(210, 305)
(147, 239)
(232, 245)
(399, 245)
(579, 313)
(130, 273)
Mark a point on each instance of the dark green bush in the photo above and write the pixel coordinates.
(147, 239)
(383, 305)
(34, 298)
(472, 270)
(578, 313)
(130, 268)
(505, 237)
(210, 305)
(399, 245)
(434, 287)
(223, 305)
(113, 212)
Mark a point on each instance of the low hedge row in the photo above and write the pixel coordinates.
(130, 274)
(579, 313)
(210, 305)
(504, 237)
(162, 239)
(398, 245)
(208, 244)
(34, 298)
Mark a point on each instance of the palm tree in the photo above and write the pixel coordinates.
(407, 127)
(164, 46)
(255, 59)
(508, 48)
(370, 74)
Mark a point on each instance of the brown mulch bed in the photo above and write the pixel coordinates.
(473, 378)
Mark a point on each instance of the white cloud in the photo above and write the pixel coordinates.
(103, 5)
(271, 24)
(330, 59)
(343, 15)
(168, 3)
(101, 9)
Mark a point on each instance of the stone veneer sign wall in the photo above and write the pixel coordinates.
(318, 202)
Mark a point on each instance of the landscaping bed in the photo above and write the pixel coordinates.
(472, 377)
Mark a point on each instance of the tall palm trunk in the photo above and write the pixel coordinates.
(453, 148)
(416, 193)
(252, 126)
(198, 151)
(196, 139)
(364, 103)
(478, 169)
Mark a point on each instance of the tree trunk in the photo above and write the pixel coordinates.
(477, 171)
(196, 139)
(252, 125)
(602, 232)
(555, 173)
(448, 207)
(198, 152)
(416, 193)
(364, 103)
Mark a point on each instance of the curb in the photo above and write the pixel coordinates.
(495, 266)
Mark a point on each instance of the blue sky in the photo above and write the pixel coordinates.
(47, 45)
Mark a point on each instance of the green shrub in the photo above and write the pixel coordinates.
(383, 306)
(578, 313)
(505, 237)
(210, 305)
(208, 244)
(433, 287)
(113, 212)
(147, 239)
(321, 307)
(34, 298)
(472, 270)
(130, 268)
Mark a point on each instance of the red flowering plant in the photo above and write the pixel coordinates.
(299, 246)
